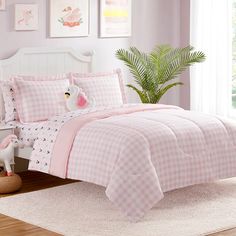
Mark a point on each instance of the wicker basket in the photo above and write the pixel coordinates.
(9, 184)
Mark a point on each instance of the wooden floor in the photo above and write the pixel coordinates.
(34, 181)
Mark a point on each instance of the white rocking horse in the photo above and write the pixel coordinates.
(7, 152)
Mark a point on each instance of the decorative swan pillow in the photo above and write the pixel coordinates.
(76, 98)
(106, 88)
(40, 100)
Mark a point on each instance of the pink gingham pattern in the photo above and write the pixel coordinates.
(40, 78)
(40, 100)
(9, 97)
(107, 89)
(140, 156)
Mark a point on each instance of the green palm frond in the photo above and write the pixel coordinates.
(134, 63)
(152, 71)
(180, 64)
(166, 88)
(174, 61)
(139, 65)
(143, 97)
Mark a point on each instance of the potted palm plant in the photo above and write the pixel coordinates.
(155, 72)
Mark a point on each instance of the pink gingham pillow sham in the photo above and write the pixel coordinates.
(40, 100)
(105, 88)
(8, 93)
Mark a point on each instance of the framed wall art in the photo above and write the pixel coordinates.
(115, 18)
(69, 18)
(26, 17)
(2, 5)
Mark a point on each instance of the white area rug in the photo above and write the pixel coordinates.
(82, 209)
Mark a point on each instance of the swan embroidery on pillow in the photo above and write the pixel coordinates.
(71, 18)
(76, 98)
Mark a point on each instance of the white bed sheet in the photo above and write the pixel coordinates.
(26, 133)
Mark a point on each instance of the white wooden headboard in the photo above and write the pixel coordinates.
(45, 61)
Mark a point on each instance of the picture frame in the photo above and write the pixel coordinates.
(26, 17)
(2, 5)
(69, 18)
(115, 18)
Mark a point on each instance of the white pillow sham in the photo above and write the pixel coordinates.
(9, 112)
(2, 107)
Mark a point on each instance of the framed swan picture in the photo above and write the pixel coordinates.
(69, 18)
(26, 17)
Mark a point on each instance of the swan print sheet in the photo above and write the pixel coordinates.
(138, 152)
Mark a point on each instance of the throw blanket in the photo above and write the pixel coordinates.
(137, 152)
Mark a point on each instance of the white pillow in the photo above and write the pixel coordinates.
(40, 100)
(2, 107)
(105, 88)
(8, 102)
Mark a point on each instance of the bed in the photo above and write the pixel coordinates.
(43, 61)
(137, 152)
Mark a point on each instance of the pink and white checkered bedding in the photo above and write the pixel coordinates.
(40, 100)
(105, 88)
(138, 152)
(9, 96)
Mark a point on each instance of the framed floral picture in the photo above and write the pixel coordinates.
(115, 18)
(26, 17)
(69, 18)
(2, 5)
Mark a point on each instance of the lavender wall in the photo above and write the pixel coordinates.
(164, 22)
(12, 40)
(154, 22)
(185, 40)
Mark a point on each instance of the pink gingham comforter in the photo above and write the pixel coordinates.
(138, 152)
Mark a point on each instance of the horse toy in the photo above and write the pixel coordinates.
(76, 99)
(7, 152)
